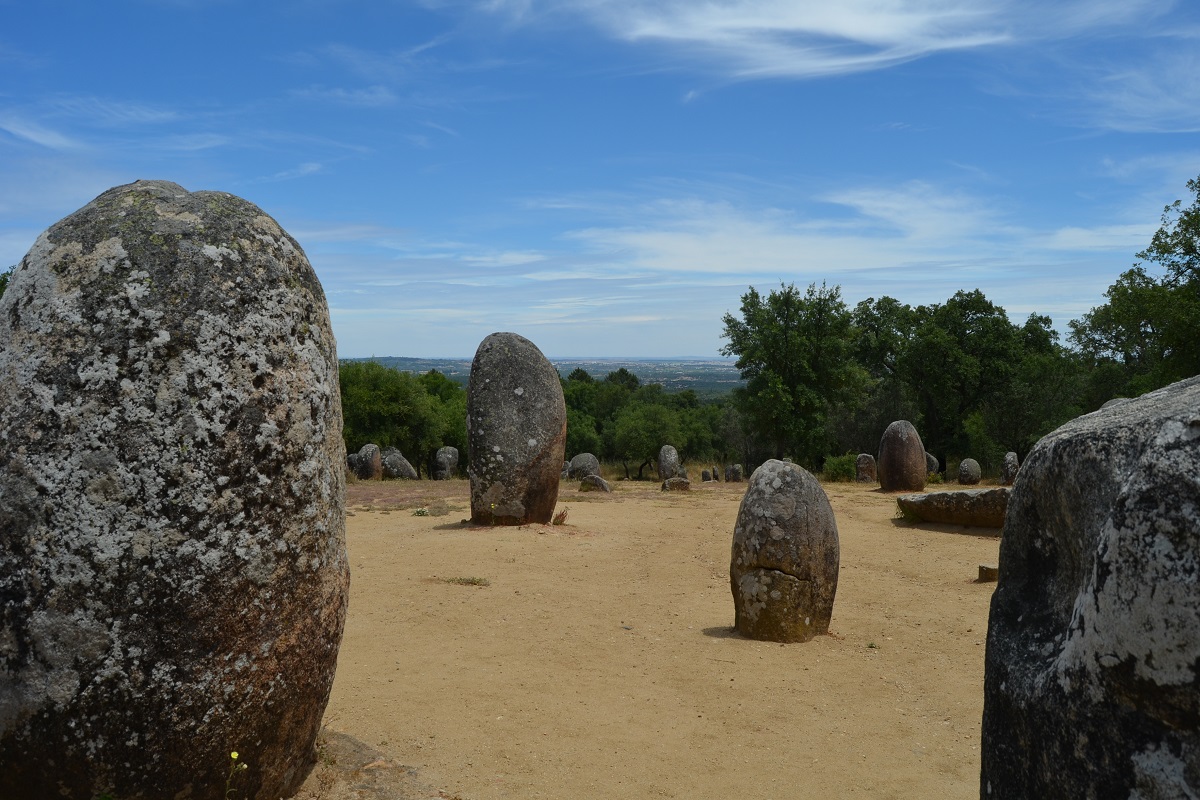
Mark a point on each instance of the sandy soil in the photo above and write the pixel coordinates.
(598, 661)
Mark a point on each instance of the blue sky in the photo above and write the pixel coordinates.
(607, 177)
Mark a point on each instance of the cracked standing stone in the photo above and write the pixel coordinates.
(172, 551)
(784, 565)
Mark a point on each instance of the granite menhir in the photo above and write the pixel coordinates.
(172, 535)
(783, 568)
(1092, 670)
(901, 464)
(516, 432)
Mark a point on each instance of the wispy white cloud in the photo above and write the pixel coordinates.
(810, 38)
(299, 171)
(36, 133)
(1158, 94)
(368, 97)
(1120, 238)
(109, 113)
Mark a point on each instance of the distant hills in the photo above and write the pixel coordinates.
(707, 377)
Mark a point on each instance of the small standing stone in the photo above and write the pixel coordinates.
(676, 484)
(784, 564)
(864, 468)
(705, 476)
(969, 472)
(1008, 471)
(395, 465)
(582, 465)
(932, 465)
(516, 431)
(368, 466)
(445, 463)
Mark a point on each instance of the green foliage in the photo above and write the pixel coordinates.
(794, 351)
(4, 276)
(392, 408)
(840, 468)
(1148, 333)
(641, 431)
(583, 434)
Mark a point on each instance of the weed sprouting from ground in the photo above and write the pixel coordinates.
(468, 581)
(235, 767)
(561, 517)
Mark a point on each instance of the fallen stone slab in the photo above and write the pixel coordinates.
(982, 508)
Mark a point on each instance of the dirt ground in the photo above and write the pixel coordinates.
(596, 659)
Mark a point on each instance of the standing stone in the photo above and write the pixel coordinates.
(172, 543)
(677, 484)
(735, 473)
(931, 464)
(445, 463)
(1092, 669)
(583, 465)
(516, 432)
(716, 476)
(1008, 471)
(902, 465)
(668, 463)
(705, 476)
(864, 468)
(368, 465)
(783, 570)
(969, 472)
(394, 465)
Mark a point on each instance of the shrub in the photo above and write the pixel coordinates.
(840, 468)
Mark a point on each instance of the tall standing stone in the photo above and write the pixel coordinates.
(669, 465)
(172, 551)
(516, 432)
(783, 569)
(901, 458)
(1092, 668)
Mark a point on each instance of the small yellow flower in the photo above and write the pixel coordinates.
(233, 755)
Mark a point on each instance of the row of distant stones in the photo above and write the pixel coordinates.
(585, 468)
(173, 566)
(904, 464)
(372, 463)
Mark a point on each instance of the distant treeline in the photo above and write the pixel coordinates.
(825, 379)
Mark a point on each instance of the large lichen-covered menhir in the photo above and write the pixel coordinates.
(516, 432)
(1092, 670)
(173, 574)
